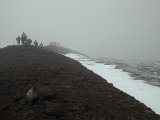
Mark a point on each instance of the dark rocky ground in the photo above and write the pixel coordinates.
(66, 90)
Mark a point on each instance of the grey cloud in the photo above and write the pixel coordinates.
(99, 28)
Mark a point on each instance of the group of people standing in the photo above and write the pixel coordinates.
(24, 41)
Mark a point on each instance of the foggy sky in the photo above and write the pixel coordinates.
(127, 29)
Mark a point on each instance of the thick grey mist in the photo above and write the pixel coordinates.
(127, 29)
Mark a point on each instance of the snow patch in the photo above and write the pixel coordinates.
(146, 93)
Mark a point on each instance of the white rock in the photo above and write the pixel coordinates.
(31, 94)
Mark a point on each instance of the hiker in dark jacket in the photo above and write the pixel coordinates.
(41, 45)
(29, 41)
(18, 40)
(35, 43)
(23, 38)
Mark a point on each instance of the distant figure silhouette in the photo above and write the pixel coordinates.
(23, 38)
(18, 40)
(29, 41)
(41, 45)
(51, 43)
(35, 43)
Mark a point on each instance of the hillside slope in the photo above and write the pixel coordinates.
(66, 90)
(61, 49)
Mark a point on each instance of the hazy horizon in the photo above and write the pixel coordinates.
(124, 29)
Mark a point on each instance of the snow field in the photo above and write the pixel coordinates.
(146, 93)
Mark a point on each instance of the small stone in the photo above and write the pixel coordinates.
(31, 94)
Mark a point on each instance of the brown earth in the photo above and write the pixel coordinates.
(66, 90)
